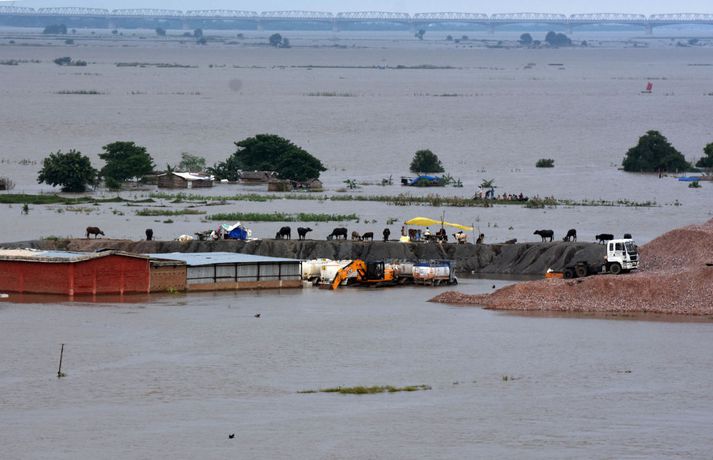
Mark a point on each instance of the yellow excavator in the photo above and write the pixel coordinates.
(369, 273)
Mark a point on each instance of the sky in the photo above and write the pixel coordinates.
(412, 6)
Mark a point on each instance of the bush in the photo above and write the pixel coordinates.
(555, 39)
(654, 153)
(160, 31)
(425, 161)
(545, 163)
(66, 60)
(526, 39)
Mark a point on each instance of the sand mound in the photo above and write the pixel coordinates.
(674, 280)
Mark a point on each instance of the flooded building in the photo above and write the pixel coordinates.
(184, 180)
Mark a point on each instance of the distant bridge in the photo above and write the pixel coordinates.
(242, 19)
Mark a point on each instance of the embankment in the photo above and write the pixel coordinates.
(675, 278)
(509, 259)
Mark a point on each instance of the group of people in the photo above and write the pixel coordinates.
(490, 195)
(415, 234)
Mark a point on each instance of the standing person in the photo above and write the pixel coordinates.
(403, 230)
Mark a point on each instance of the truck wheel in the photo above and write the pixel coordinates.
(615, 269)
(581, 271)
(569, 274)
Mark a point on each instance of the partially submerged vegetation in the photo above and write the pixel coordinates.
(362, 390)
(282, 217)
(19, 198)
(146, 212)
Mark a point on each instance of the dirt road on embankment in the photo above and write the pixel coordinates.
(507, 259)
(675, 278)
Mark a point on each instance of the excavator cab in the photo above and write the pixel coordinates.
(369, 273)
(374, 271)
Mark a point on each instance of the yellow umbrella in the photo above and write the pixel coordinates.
(426, 222)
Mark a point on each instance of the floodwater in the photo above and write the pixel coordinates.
(172, 376)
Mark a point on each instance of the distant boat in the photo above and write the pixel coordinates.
(649, 88)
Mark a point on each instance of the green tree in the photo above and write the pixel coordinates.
(555, 39)
(706, 161)
(124, 160)
(191, 163)
(160, 31)
(425, 161)
(269, 152)
(275, 40)
(420, 34)
(72, 170)
(654, 153)
(228, 169)
(526, 39)
(198, 33)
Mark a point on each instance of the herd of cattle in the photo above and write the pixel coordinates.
(602, 238)
(342, 233)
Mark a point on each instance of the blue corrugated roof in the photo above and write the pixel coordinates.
(195, 259)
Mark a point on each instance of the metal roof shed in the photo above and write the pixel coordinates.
(215, 271)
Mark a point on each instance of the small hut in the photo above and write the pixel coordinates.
(184, 180)
(256, 177)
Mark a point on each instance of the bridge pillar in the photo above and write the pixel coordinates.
(184, 25)
(570, 29)
(260, 25)
(649, 29)
(335, 26)
(491, 29)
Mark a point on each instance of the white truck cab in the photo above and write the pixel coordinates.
(622, 256)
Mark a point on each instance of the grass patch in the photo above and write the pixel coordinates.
(362, 390)
(22, 198)
(168, 212)
(85, 92)
(330, 94)
(282, 217)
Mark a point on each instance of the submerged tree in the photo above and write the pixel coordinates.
(269, 152)
(654, 153)
(124, 160)
(191, 163)
(706, 161)
(425, 161)
(72, 170)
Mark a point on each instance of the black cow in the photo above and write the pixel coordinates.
(571, 235)
(545, 234)
(386, 234)
(94, 231)
(604, 237)
(627, 236)
(367, 236)
(302, 232)
(285, 232)
(149, 234)
(339, 232)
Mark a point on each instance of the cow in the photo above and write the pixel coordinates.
(339, 232)
(149, 234)
(356, 235)
(368, 236)
(571, 235)
(545, 234)
(604, 237)
(512, 241)
(284, 232)
(94, 231)
(627, 236)
(386, 233)
(302, 232)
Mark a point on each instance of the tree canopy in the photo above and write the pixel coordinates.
(191, 163)
(269, 152)
(125, 160)
(555, 39)
(425, 161)
(72, 170)
(526, 39)
(654, 153)
(706, 161)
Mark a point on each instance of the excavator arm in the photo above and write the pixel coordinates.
(344, 273)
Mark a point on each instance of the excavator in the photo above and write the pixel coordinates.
(369, 273)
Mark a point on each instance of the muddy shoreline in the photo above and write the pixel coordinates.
(506, 259)
(676, 278)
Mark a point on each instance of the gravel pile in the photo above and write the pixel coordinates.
(674, 279)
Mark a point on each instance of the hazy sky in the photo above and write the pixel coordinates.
(413, 6)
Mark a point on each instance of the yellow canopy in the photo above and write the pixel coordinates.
(426, 222)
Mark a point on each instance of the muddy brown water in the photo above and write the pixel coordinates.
(172, 376)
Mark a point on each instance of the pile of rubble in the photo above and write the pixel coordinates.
(675, 278)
